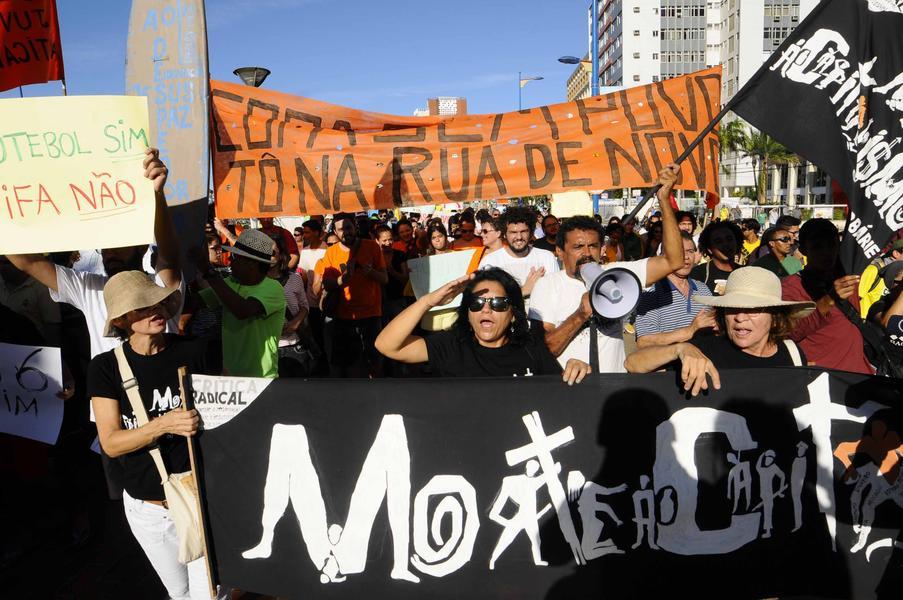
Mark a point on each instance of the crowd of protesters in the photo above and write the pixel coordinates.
(333, 298)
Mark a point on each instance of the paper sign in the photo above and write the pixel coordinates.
(429, 273)
(30, 379)
(219, 399)
(72, 175)
(569, 204)
(276, 154)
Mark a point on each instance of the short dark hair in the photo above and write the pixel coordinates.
(578, 223)
(398, 225)
(681, 214)
(787, 221)
(751, 224)
(520, 327)
(380, 229)
(548, 216)
(705, 238)
(814, 229)
(518, 214)
(313, 225)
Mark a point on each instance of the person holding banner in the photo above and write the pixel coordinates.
(137, 312)
(84, 291)
(561, 304)
(756, 323)
(491, 337)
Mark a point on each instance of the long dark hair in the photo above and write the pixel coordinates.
(520, 329)
(430, 250)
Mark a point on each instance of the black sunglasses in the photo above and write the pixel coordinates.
(497, 304)
(782, 239)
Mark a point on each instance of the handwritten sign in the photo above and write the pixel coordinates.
(276, 154)
(30, 378)
(71, 174)
(429, 273)
(30, 49)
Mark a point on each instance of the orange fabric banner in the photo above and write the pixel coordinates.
(276, 154)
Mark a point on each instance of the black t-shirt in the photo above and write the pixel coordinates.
(724, 355)
(158, 384)
(708, 273)
(450, 356)
(545, 244)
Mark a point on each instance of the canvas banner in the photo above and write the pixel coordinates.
(276, 154)
(30, 379)
(30, 50)
(72, 174)
(525, 487)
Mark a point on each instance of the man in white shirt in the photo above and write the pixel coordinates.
(521, 260)
(561, 303)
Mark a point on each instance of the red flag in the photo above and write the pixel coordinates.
(30, 50)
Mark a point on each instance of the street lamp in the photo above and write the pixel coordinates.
(253, 76)
(523, 80)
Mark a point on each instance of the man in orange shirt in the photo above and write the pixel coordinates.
(351, 275)
(466, 234)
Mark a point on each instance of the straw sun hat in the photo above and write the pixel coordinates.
(133, 290)
(755, 287)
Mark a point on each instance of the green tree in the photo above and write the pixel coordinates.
(765, 152)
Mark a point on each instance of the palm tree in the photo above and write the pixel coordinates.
(766, 152)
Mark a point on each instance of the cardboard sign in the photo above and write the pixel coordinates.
(524, 487)
(167, 62)
(429, 273)
(30, 378)
(30, 49)
(71, 174)
(276, 154)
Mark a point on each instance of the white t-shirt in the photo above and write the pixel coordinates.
(307, 262)
(557, 296)
(84, 291)
(519, 267)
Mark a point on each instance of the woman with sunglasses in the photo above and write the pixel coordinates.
(491, 337)
(779, 242)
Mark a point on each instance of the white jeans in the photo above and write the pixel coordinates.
(156, 533)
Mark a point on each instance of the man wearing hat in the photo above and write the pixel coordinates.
(755, 323)
(871, 283)
(253, 306)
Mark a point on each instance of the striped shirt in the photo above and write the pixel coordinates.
(663, 308)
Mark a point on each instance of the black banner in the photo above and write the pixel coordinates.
(833, 92)
(785, 482)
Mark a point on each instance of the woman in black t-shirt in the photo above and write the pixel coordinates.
(490, 338)
(754, 323)
(137, 311)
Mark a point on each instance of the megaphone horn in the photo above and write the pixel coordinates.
(614, 292)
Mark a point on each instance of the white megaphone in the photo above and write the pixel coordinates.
(613, 293)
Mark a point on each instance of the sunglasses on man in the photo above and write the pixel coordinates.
(497, 303)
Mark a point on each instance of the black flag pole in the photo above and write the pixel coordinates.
(683, 156)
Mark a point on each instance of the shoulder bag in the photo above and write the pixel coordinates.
(180, 489)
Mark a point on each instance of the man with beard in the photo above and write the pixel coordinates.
(550, 226)
(84, 291)
(518, 258)
(561, 304)
(669, 313)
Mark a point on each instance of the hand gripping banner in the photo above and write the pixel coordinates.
(276, 154)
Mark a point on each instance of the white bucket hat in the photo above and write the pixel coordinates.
(132, 290)
(253, 244)
(755, 287)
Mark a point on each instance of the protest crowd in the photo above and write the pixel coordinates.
(332, 299)
(447, 283)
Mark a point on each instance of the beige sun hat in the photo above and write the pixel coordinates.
(253, 244)
(755, 287)
(132, 290)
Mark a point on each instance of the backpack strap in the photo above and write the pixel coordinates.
(130, 385)
(794, 353)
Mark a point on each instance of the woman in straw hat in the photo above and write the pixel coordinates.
(754, 323)
(137, 311)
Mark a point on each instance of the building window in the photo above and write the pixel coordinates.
(655, 33)
(636, 54)
(636, 9)
(636, 33)
(655, 56)
(636, 77)
(655, 78)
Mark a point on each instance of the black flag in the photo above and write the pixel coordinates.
(833, 93)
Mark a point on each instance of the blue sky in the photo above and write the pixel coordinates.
(386, 55)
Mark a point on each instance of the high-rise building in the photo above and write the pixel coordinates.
(644, 41)
(445, 106)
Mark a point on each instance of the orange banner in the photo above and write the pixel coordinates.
(276, 154)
